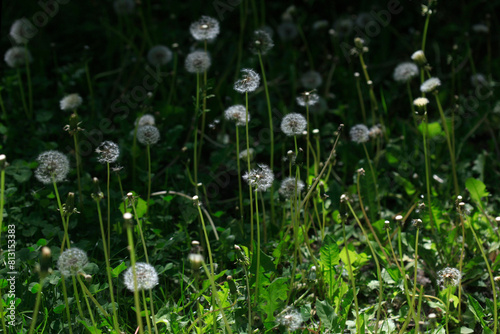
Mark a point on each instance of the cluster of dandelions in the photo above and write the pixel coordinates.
(360, 133)
(72, 261)
(146, 277)
(147, 132)
(260, 178)
(52, 166)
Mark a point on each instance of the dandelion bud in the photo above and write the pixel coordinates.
(45, 261)
(361, 171)
(260, 178)
(293, 124)
(148, 135)
(69, 207)
(387, 225)
(195, 243)
(197, 62)
(72, 261)
(343, 198)
(404, 72)
(461, 204)
(261, 42)
(497, 219)
(108, 152)
(52, 166)
(145, 274)
(196, 260)
(237, 114)
(315, 131)
(3, 162)
(497, 279)
(248, 83)
(432, 316)
(359, 43)
(399, 217)
(311, 80)
(73, 124)
(206, 28)
(71, 102)
(127, 217)
(359, 133)
(291, 187)
(419, 57)
(17, 56)
(159, 55)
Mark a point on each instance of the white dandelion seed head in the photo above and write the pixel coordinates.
(292, 320)
(287, 188)
(198, 62)
(419, 57)
(261, 42)
(72, 261)
(405, 71)
(293, 124)
(260, 178)
(22, 31)
(146, 119)
(287, 30)
(376, 131)
(311, 80)
(480, 28)
(108, 152)
(307, 99)
(479, 80)
(320, 24)
(146, 275)
(449, 277)
(16, 56)
(420, 102)
(244, 153)
(52, 164)
(124, 7)
(430, 85)
(206, 28)
(360, 133)
(148, 135)
(249, 82)
(159, 55)
(71, 102)
(343, 27)
(196, 260)
(237, 114)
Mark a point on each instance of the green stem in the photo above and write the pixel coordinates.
(87, 302)
(78, 167)
(23, 98)
(148, 150)
(61, 211)
(137, 305)
(351, 278)
(66, 303)
(374, 178)
(148, 322)
(151, 305)
(37, 307)
(77, 297)
(28, 75)
(109, 211)
(257, 274)
(239, 177)
(195, 155)
(248, 163)
(206, 237)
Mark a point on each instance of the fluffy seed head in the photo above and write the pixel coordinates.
(71, 261)
(449, 277)
(197, 62)
(148, 135)
(405, 71)
(293, 124)
(481, 28)
(287, 30)
(237, 114)
(292, 320)
(360, 133)
(287, 188)
(196, 260)
(146, 119)
(420, 102)
(52, 164)
(22, 31)
(159, 55)
(261, 42)
(311, 80)
(146, 275)
(108, 152)
(243, 154)
(71, 102)
(248, 83)
(307, 99)
(260, 178)
(16, 56)
(124, 7)
(479, 80)
(205, 28)
(343, 27)
(430, 85)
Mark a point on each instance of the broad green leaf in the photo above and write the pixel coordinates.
(466, 330)
(477, 190)
(326, 314)
(434, 129)
(329, 258)
(118, 269)
(273, 297)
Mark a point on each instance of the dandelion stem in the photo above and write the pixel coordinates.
(148, 151)
(257, 274)
(23, 98)
(240, 192)
(374, 178)
(148, 322)
(137, 305)
(249, 169)
(87, 302)
(28, 75)
(195, 155)
(78, 167)
(109, 210)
